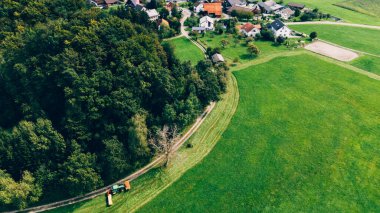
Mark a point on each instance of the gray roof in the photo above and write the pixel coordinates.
(217, 58)
(198, 29)
(296, 5)
(287, 11)
(235, 2)
(276, 25)
(264, 6)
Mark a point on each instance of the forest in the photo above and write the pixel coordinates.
(82, 90)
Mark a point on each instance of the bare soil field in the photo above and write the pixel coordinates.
(332, 51)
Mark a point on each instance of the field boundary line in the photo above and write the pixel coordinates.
(334, 23)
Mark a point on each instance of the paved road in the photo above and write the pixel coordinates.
(334, 23)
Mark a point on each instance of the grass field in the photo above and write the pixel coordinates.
(369, 7)
(328, 6)
(151, 184)
(186, 51)
(304, 139)
(369, 63)
(237, 48)
(357, 38)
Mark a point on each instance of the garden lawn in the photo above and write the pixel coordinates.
(305, 138)
(186, 51)
(368, 63)
(237, 48)
(328, 6)
(357, 38)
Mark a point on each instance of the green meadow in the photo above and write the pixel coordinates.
(186, 51)
(348, 15)
(303, 139)
(357, 38)
(237, 48)
(369, 7)
(369, 63)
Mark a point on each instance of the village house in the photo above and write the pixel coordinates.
(264, 8)
(279, 29)
(214, 9)
(207, 23)
(250, 30)
(152, 14)
(231, 3)
(285, 13)
(198, 7)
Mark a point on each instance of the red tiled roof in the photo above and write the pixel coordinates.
(213, 8)
(247, 27)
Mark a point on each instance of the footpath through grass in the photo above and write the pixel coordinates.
(151, 184)
(328, 6)
(186, 51)
(304, 139)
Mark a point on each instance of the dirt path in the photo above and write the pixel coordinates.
(334, 23)
(131, 177)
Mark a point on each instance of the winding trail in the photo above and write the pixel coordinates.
(334, 23)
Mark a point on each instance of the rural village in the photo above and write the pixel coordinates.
(230, 106)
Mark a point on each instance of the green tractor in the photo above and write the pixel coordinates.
(117, 188)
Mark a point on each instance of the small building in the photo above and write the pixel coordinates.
(239, 9)
(217, 58)
(153, 14)
(250, 30)
(264, 8)
(296, 5)
(214, 8)
(111, 2)
(279, 29)
(198, 7)
(207, 23)
(198, 29)
(285, 13)
(231, 3)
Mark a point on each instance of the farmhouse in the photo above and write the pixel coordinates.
(249, 29)
(207, 23)
(153, 14)
(214, 9)
(273, 5)
(217, 58)
(279, 29)
(296, 6)
(285, 13)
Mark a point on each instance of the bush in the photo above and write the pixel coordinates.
(313, 35)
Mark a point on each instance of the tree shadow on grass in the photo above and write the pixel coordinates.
(247, 57)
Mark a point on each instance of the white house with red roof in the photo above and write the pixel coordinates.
(249, 29)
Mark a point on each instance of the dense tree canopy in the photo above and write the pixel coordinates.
(82, 90)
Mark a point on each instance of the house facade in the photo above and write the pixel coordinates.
(207, 23)
(198, 7)
(250, 30)
(279, 29)
(153, 14)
